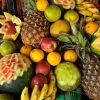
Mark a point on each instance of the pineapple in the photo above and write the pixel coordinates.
(35, 25)
(90, 63)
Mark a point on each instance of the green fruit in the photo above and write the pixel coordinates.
(5, 96)
(68, 76)
(95, 46)
(71, 15)
(52, 13)
(7, 47)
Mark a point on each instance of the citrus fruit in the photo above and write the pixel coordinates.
(70, 55)
(37, 55)
(91, 27)
(55, 30)
(71, 15)
(26, 49)
(52, 13)
(54, 58)
(41, 5)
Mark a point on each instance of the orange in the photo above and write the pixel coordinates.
(37, 55)
(70, 55)
(42, 5)
(91, 27)
(54, 58)
(26, 49)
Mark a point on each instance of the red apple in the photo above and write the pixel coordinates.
(48, 44)
(39, 80)
(42, 67)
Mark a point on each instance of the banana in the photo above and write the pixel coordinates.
(43, 92)
(35, 93)
(93, 10)
(51, 83)
(85, 2)
(89, 19)
(96, 16)
(89, 5)
(53, 95)
(48, 98)
(25, 94)
(85, 12)
(80, 7)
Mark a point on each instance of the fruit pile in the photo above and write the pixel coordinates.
(55, 48)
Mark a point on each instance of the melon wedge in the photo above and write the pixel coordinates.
(97, 33)
(95, 46)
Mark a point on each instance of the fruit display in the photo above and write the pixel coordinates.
(51, 51)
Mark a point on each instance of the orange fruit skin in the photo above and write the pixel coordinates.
(26, 49)
(91, 27)
(54, 58)
(37, 55)
(70, 55)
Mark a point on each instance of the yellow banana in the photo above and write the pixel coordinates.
(48, 98)
(89, 19)
(85, 12)
(51, 83)
(53, 95)
(43, 92)
(85, 2)
(80, 7)
(25, 94)
(93, 10)
(35, 93)
(96, 16)
(89, 5)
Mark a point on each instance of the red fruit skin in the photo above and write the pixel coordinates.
(48, 44)
(9, 28)
(39, 80)
(43, 67)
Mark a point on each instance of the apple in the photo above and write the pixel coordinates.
(39, 80)
(42, 67)
(48, 44)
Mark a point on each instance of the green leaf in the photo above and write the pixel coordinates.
(63, 38)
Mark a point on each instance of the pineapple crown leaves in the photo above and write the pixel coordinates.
(77, 42)
(29, 5)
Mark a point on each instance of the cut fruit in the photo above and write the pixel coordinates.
(10, 26)
(8, 16)
(95, 46)
(97, 33)
(15, 73)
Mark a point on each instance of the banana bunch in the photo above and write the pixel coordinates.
(48, 91)
(89, 10)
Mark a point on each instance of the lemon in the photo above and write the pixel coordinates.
(54, 58)
(70, 55)
(42, 5)
(37, 55)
